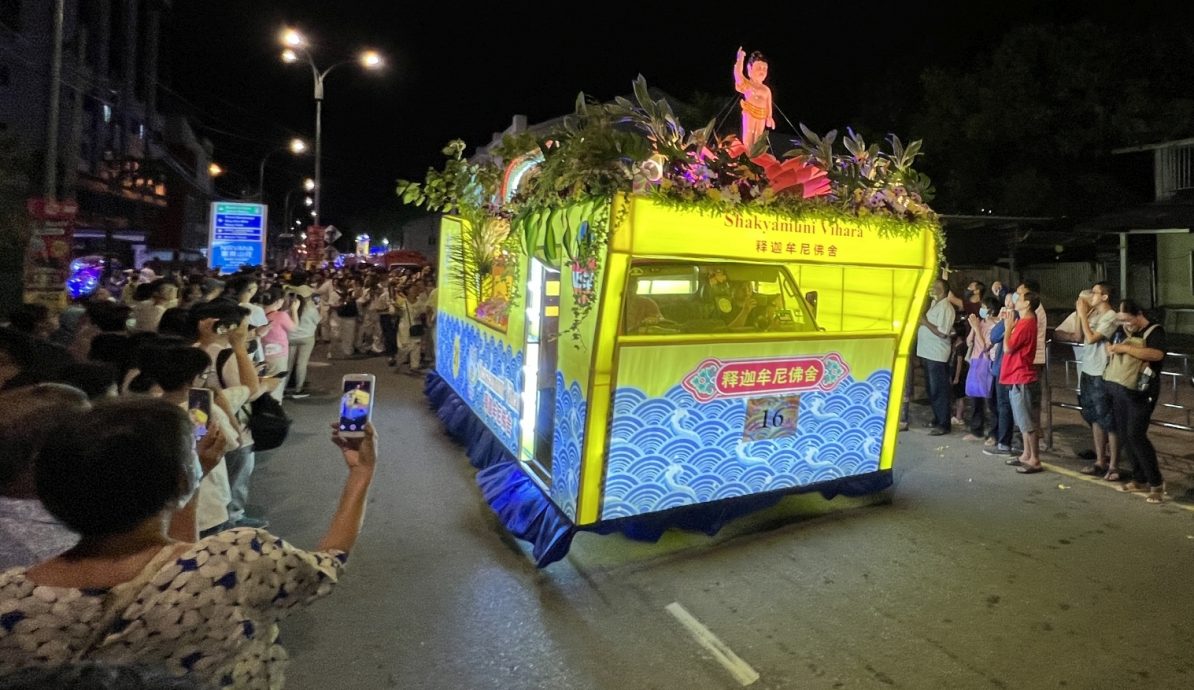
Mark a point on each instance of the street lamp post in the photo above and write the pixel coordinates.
(286, 206)
(296, 146)
(295, 43)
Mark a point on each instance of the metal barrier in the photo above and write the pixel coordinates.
(1174, 363)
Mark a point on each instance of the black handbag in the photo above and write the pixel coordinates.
(416, 330)
(268, 423)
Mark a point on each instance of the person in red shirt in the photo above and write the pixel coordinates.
(1017, 371)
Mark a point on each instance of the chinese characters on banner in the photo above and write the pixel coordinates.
(316, 244)
(47, 261)
(714, 378)
(795, 249)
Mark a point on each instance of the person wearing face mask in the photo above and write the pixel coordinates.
(1094, 325)
(129, 592)
(979, 346)
(933, 347)
(1133, 379)
(971, 301)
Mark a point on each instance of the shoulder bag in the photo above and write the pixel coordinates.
(1128, 371)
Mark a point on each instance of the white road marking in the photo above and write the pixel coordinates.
(725, 656)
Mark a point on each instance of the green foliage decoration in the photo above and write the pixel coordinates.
(639, 146)
(467, 189)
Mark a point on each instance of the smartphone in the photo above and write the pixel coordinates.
(279, 375)
(199, 407)
(356, 404)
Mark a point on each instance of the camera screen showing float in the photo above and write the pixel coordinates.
(641, 325)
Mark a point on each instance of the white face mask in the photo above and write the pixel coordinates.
(1015, 297)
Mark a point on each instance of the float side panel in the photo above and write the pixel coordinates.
(481, 363)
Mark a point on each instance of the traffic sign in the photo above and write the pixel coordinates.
(237, 235)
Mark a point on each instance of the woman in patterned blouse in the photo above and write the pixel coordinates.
(128, 593)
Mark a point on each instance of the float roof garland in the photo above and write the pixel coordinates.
(640, 147)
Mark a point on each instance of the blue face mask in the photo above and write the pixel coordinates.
(1015, 297)
(983, 312)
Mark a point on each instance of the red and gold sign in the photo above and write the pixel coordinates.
(714, 378)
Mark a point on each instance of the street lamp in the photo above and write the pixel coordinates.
(296, 46)
(296, 146)
(309, 184)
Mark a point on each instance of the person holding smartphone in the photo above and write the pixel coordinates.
(223, 326)
(206, 609)
(276, 342)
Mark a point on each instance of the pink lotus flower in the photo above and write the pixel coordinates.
(792, 176)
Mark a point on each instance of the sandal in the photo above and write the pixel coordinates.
(1095, 468)
(1112, 475)
(1029, 469)
(1155, 496)
(1132, 488)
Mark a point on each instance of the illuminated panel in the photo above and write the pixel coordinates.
(700, 423)
(664, 231)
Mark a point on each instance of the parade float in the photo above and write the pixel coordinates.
(642, 327)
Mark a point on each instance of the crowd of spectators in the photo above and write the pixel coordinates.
(125, 541)
(986, 351)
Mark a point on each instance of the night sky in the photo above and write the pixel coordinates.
(456, 73)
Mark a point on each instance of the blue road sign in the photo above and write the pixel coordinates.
(237, 235)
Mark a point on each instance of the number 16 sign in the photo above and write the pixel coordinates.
(771, 417)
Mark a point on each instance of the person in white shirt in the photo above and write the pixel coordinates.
(410, 310)
(324, 292)
(1095, 324)
(242, 289)
(372, 303)
(933, 347)
(172, 369)
(432, 313)
(223, 326)
(147, 313)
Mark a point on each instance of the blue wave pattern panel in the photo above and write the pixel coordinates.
(674, 451)
(462, 350)
(567, 441)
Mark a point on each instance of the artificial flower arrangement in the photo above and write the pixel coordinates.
(640, 147)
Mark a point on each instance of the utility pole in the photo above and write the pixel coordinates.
(51, 172)
(70, 173)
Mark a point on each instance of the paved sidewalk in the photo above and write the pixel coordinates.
(1071, 435)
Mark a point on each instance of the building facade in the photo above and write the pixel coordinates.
(141, 178)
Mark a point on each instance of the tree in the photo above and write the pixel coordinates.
(1030, 128)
